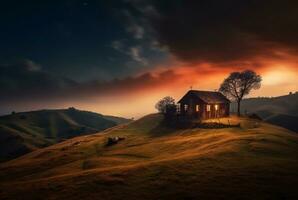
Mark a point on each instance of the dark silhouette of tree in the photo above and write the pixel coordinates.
(164, 103)
(239, 84)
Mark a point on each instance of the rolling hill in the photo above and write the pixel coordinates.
(254, 161)
(21, 133)
(281, 111)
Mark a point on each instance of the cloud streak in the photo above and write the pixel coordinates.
(135, 53)
(19, 82)
(170, 45)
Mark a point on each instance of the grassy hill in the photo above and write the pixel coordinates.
(21, 133)
(254, 161)
(281, 111)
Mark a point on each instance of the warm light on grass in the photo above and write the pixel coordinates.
(153, 157)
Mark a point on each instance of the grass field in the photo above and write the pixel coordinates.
(21, 133)
(253, 161)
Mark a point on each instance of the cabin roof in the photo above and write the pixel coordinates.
(206, 96)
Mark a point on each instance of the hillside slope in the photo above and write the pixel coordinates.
(23, 132)
(281, 111)
(254, 161)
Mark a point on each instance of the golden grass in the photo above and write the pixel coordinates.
(250, 162)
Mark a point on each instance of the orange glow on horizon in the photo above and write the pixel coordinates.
(279, 78)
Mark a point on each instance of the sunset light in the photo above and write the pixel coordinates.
(148, 99)
(280, 76)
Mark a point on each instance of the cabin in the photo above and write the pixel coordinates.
(197, 104)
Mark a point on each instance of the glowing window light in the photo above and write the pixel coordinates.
(216, 107)
(208, 108)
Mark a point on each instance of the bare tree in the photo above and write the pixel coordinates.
(239, 84)
(162, 104)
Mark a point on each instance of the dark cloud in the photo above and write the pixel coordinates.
(27, 79)
(105, 40)
(221, 31)
(23, 82)
(129, 85)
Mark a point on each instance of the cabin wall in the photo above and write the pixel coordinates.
(191, 108)
(227, 109)
(191, 101)
(223, 110)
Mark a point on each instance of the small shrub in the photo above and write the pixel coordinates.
(215, 125)
(113, 140)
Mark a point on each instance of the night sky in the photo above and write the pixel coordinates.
(119, 57)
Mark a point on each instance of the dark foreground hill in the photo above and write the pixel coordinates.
(254, 161)
(21, 133)
(281, 111)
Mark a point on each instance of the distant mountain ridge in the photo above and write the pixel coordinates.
(281, 111)
(23, 132)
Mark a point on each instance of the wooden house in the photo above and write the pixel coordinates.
(203, 105)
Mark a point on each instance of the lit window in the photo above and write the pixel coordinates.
(197, 108)
(208, 108)
(185, 107)
(216, 107)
